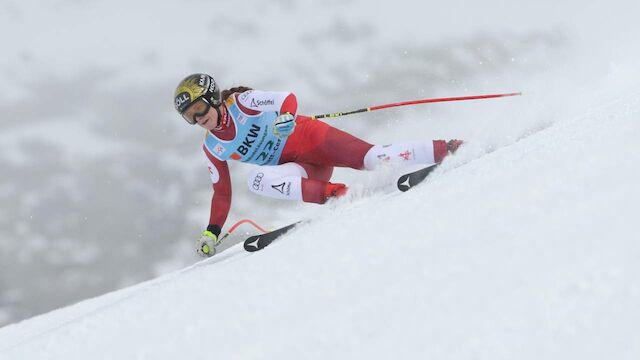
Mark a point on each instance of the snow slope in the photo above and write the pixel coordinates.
(529, 251)
(108, 69)
(85, 104)
(523, 245)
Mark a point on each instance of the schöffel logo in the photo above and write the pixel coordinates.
(256, 103)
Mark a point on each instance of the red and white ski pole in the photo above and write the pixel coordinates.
(415, 102)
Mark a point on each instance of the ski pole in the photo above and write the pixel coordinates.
(243, 221)
(414, 102)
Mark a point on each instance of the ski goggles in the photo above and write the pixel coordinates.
(199, 108)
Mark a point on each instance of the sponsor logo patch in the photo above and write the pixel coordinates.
(407, 155)
(384, 157)
(257, 181)
(284, 188)
(279, 187)
(203, 81)
(245, 94)
(249, 140)
(182, 100)
(256, 103)
(219, 149)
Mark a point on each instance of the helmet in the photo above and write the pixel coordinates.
(194, 87)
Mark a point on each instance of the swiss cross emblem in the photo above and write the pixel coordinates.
(405, 155)
(219, 149)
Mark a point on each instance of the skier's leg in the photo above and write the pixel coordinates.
(345, 150)
(316, 187)
(315, 142)
(324, 145)
(317, 172)
(408, 152)
(280, 182)
(320, 144)
(291, 181)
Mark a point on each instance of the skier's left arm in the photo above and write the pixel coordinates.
(220, 205)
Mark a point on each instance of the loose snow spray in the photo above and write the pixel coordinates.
(416, 102)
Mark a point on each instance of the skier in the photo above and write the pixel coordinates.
(295, 153)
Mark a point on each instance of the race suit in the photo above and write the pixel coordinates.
(297, 167)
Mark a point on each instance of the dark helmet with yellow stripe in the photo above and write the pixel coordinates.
(194, 87)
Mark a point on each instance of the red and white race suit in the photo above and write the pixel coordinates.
(310, 153)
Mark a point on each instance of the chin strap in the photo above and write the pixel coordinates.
(222, 118)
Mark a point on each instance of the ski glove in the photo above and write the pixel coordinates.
(206, 245)
(284, 125)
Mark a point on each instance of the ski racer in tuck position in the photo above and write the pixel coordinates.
(295, 154)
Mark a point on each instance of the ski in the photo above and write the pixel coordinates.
(409, 180)
(259, 242)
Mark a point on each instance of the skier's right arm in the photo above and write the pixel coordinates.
(220, 204)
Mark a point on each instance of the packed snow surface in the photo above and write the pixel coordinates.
(525, 251)
(523, 245)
